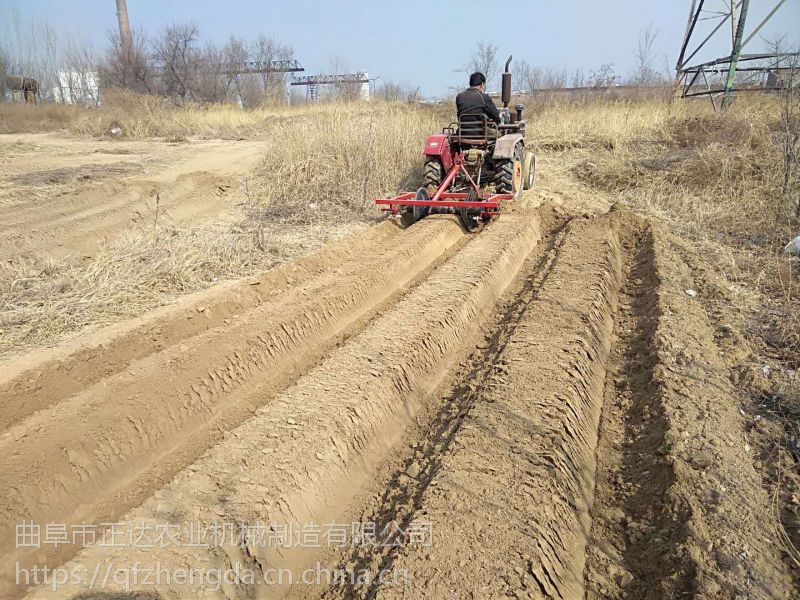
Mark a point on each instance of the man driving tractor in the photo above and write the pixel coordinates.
(474, 165)
(475, 101)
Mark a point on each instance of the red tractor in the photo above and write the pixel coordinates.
(471, 167)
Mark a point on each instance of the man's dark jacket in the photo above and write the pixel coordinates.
(472, 101)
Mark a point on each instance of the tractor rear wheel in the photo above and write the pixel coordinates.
(529, 169)
(508, 176)
(434, 175)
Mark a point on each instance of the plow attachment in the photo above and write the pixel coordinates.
(451, 200)
(475, 206)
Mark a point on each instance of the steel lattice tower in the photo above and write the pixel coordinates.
(735, 71)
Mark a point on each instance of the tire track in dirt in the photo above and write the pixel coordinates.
(304, 456)
(590, 447)
(506, 474)
(80, 222)
(680, 509)
(91, 456)
(396, 499)
(89, 200)
(509, 502)
(639, 544)
(39, 379)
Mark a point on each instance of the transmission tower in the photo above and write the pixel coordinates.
(719, 78)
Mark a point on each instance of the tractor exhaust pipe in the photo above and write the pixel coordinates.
(506, 95)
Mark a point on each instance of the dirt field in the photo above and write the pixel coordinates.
(64, 196)
(541, 410)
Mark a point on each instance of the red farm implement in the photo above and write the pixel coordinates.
(471, 168)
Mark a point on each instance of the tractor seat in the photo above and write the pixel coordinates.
(474, 130)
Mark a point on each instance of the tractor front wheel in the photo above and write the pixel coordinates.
(508, 175)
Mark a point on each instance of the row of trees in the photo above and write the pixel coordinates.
(174, 63)
(528, 78)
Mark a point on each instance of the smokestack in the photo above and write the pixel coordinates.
(125, 37)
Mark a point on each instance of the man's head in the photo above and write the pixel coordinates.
(478, 80)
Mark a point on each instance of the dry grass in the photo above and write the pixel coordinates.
(331, 163)
(717, 178)
(137, 272)
(322, 167)
(599, 126)
(31, 118)
(141, 117)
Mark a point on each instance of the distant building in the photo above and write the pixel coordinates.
(782, 78)
(77, 87)
(363, 92)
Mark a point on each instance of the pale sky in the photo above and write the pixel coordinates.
(416, 42)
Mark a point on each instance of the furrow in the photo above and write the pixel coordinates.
(100, 452)
(509, 505)
(302, 458)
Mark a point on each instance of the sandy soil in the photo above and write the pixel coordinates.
(64, 196)
(536, 411)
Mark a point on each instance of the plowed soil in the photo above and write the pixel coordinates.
(63, 197)
(543, 401)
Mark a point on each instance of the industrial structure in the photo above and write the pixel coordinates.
(125, 36)
(717, 78)
(274, 66)
(77, 87)
(360, 80)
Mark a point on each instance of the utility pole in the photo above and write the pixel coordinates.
(737, 50)
(125, 37)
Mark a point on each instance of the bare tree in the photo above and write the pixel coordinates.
(177, 56)
(173, 63)
(341, 91)
(235, 57)
(3, 74)
(398, 92)
(527, 78)
(554, 79)
(484, 60)
(787, 76)
(78, 80)
(604, 76)
(265, 51)
(645, 72)
(31, 49)
(578, 78)
(211, 78)
(790, 138)
(128, 67)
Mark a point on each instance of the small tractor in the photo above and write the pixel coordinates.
(471, 168)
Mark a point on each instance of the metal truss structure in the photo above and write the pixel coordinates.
(275, 66)
(312, 82)
(719, 77)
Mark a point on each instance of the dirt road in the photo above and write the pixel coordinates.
(64, 196)
(536, 411)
